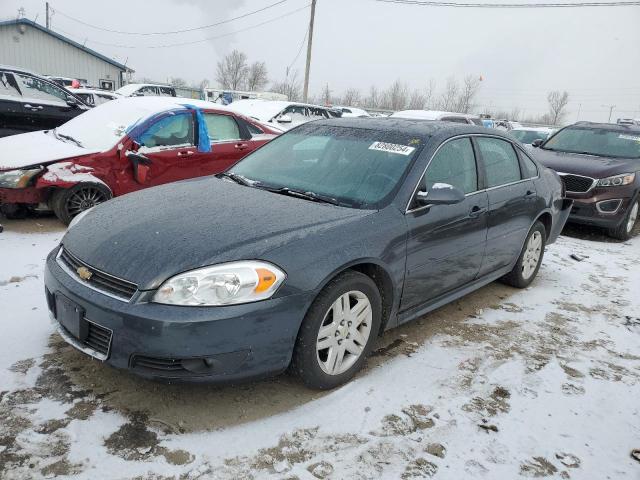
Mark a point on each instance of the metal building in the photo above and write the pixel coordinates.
(26, 44)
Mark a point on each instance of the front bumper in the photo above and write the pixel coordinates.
(29, 195)
(591, 208)
(213, 344)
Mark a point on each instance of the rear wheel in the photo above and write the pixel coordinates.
(338, 332)
(530, 259)
(625, 229)
(66, 203)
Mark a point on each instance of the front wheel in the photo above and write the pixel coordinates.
(530, 259)
(625, 229)
(66, 203)
(338, 332)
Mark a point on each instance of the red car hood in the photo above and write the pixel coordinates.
(36, 148)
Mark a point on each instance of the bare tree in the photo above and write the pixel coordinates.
(351, 97)
(204, 83)
(470, 87)
(290, 86)
(232, 70)
(178, 82)
(257, 77)
(397, 96)
(373, 100)
(428, 93)
(325, 96)
(449, 99)
(417, 100)
(557, 104)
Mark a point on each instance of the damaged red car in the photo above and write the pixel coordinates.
(120, 147)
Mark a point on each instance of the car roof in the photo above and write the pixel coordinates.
(408, 126)
(132, 87)
(607, 126)
(265, 110)
(160, 104)
(95, 90)
(430, 114)
(533, 129)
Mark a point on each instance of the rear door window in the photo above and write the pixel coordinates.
(148, 90)
(222, 128)
(38, 90)
(529, 168)
(167, 92)
(9, 87)
(500, 161)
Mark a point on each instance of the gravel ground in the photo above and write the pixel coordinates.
(503, 383)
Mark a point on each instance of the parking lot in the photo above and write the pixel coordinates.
(541, 382)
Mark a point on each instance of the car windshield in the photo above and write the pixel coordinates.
(528, 136)
(103, 126)
(360, 168)
(596, 141)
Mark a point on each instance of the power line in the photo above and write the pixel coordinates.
(194, 41)
(513, 5)
(171, 32)
(299, 50)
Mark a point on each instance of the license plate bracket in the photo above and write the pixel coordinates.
(71, 317)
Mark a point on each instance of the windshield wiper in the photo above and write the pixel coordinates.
(66, 137)
(307, 195)
(238, 179)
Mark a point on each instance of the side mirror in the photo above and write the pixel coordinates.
(140, 165)
(537, 142)
(72, 102)
(440, 194)
(285, 119)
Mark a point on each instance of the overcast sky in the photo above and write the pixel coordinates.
(593, 53)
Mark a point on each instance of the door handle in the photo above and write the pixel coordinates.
(33, 107)
(188, 153)
(476, 211)
(530, 193)
(241, 146)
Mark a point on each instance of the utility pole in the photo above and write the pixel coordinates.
(48, 20)
(610, 107)
(305, 94)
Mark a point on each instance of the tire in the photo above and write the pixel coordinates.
(66, 203)
(312, 364)
(14, 211)
(624, 231)
(530, 259)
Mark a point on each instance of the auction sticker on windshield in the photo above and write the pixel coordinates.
(392, 148)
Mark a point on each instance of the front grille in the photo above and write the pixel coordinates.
(99, 338)
(577, 183)
(101, 281)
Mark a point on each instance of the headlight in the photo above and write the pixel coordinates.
(224, 284)
(77, 218)
(17, 178)
(617, 180)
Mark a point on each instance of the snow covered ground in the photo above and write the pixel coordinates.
(504, 383)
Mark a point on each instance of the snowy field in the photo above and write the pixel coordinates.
(502, 384)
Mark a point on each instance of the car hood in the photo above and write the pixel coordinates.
(151, 235)
(35, 148)
(587, 165)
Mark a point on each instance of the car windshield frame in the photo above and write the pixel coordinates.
(586, 151)
(353, 141)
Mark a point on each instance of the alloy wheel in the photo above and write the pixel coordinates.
(344, 332)
(84, 199)
(531, 255)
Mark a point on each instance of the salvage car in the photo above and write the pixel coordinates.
(31, 102)
(599, 164)
(146, 90)
(95, 96)
(302, 253)
(118, 147)
(283, 115)
(528, 135)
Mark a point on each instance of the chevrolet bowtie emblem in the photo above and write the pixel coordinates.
(84, 273)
